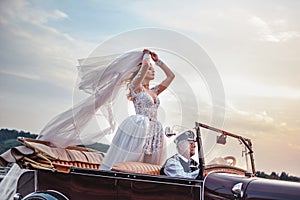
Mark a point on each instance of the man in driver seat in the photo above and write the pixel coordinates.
(181, 164)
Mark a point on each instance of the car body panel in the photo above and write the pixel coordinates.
(265, 189)
(93, 184)
(219, 185)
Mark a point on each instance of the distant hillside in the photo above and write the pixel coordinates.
(283, 176)
(8, 139)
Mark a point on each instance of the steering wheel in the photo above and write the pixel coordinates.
(231, 160)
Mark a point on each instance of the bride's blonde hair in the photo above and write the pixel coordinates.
(130, 78)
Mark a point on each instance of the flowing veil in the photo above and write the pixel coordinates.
(101, 78)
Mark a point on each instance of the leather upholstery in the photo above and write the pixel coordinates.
(137, 167)
(38, 154)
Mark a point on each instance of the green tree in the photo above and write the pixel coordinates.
(274, 175)
(8, 138)
(284, 176)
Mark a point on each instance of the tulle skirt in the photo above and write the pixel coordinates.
(137, 139)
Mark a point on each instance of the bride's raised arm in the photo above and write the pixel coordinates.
(138, 79)
(170, 75)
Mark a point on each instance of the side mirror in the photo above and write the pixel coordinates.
(169, 132)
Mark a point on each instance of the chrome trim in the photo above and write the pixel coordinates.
(237, 190)
(17, 196)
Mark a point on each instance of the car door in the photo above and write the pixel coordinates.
(149, 187)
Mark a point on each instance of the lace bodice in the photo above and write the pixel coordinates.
(144, 104)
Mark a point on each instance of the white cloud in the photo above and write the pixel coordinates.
(223, 21)
(267, 31)
(196, 16)
(57, 14)
(294, 146)
(256, 117)
(241, 86)
(21, 75)
(41, 49)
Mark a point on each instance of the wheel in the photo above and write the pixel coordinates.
(231, 160)
(45, 195)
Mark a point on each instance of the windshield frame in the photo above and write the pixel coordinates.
(246, 141)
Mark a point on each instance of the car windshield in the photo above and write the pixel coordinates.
(224, 148)
(220, 148)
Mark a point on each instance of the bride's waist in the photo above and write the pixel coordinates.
(151, 118)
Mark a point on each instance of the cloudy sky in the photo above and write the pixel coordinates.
(254, 45)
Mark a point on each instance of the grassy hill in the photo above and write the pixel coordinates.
(8, 140)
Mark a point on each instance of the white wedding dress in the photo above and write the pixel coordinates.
(138, 135)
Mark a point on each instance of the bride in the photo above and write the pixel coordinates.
(140, 137)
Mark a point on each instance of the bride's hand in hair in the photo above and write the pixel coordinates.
(146, 51)
(154, 56)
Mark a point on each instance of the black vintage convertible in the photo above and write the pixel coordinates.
(227, 171)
